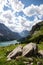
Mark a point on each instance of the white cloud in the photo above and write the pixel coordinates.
(40, 16)
(9, 19)
(17, 24)
(25, 23)
(33, 10)
(16, 5)
(36, 20)
(41, 9)
(2, 3)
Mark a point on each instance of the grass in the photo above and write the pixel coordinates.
(4, 51)
(40, 46)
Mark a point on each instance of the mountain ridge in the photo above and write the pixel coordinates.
(6, 34)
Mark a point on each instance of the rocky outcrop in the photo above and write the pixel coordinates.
(16, 52)
(30, 49)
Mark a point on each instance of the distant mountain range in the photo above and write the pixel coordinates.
(6, 34)
(24, 33)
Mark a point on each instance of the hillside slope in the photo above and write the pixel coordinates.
(36, 33)
(6, 34)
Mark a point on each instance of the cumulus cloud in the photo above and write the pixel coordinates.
(41, 9)
(2, 3)
(33, 10)
(17, 5)
(17, 24)
(25, 23)
(36, 20)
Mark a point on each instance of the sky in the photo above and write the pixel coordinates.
(20, 15)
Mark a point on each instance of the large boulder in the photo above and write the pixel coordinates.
(30, 49)
(16, 52)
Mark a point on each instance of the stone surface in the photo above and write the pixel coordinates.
(16, 52)
(30, 59)
(27, 63)
(39, 63)
(32, 63)
(8, 59)
(40, 52)
(30, 49)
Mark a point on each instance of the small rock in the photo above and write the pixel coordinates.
(8, 59)
(17, 58)
(32, 63)
(40, 52)
(30, 59)
(39, 63)
(26, 62)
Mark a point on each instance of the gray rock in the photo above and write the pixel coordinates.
(8, 59)
(30, 49)
(40, 52)
(26, 62)
(30, 59)
(32, 63)
(39, 63)
(16, 52)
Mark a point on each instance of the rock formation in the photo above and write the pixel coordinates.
(16, 52)
(30, 49)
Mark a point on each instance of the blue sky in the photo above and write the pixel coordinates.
(29, 2)
(19, 15)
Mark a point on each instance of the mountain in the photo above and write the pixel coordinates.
(24, 33)
(36, 33)
(37, 27)
(6, 34)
